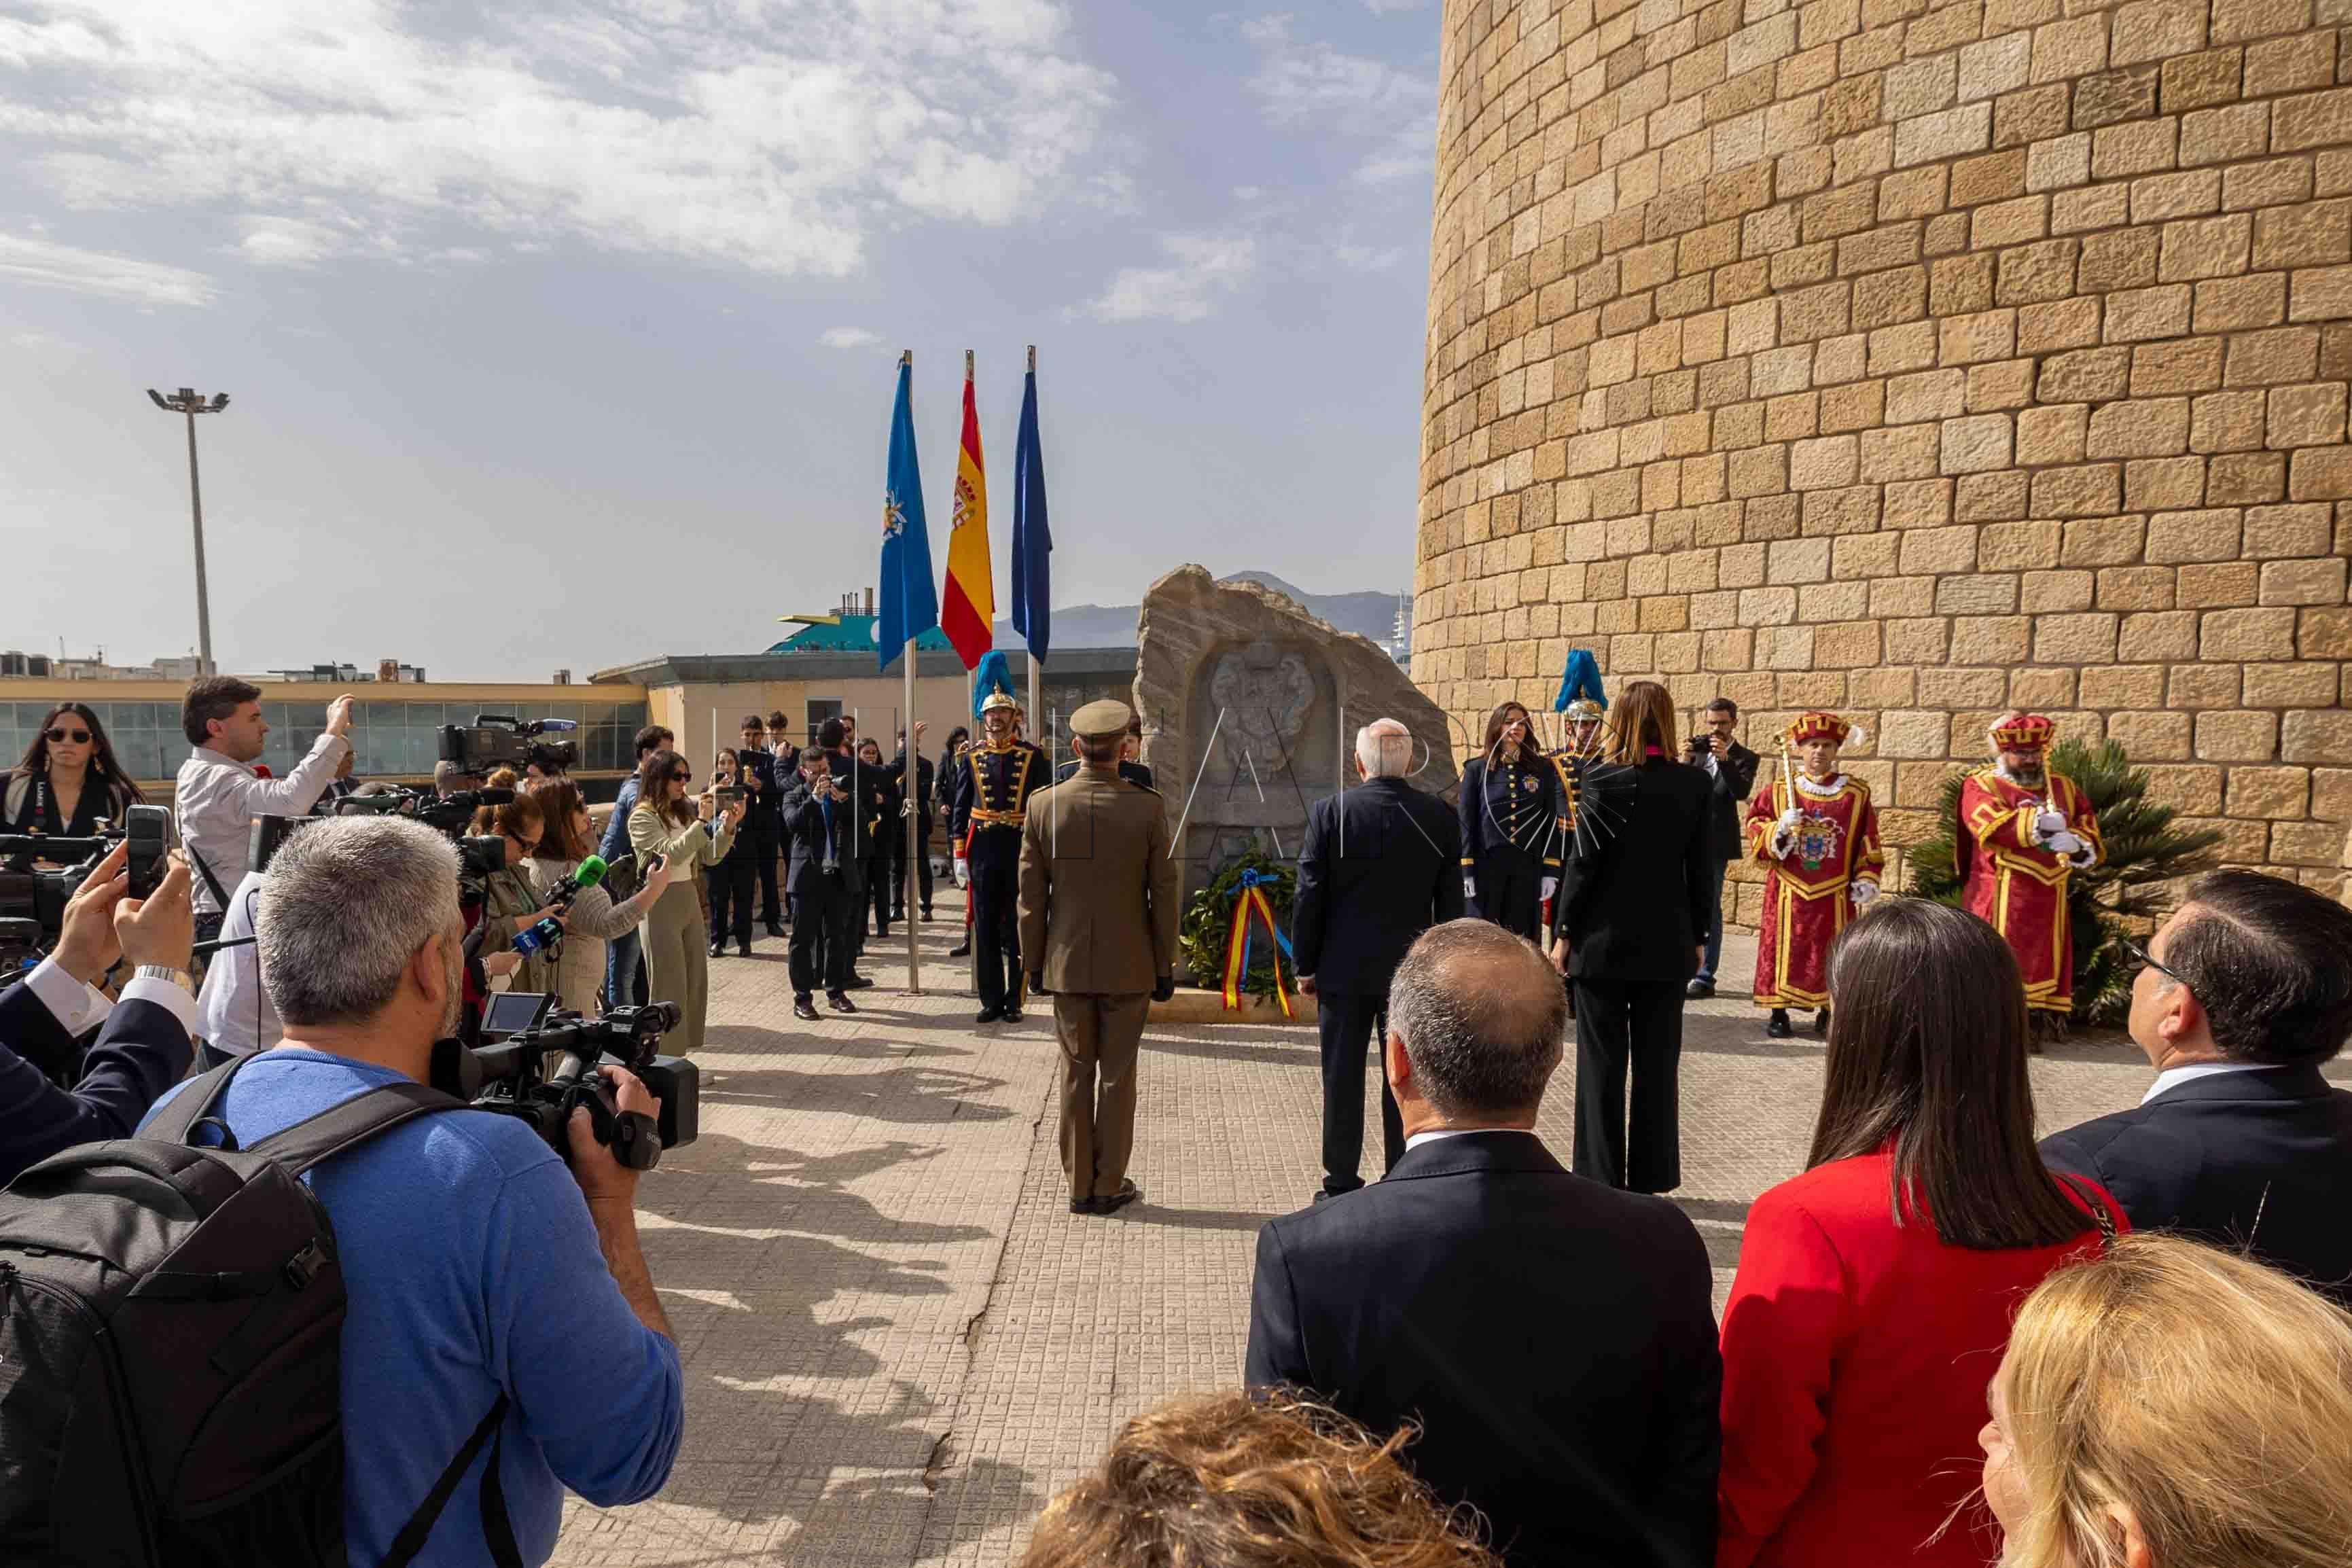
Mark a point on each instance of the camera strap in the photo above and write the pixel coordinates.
(220, 894)
(497, 1531)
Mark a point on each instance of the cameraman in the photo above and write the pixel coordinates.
(478, 1267)
(218, 794)
(141, 1049)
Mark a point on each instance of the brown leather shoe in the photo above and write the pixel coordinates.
(1128, 1192)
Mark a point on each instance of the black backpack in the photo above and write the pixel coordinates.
(171, 1321)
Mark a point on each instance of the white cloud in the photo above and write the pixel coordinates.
(1301, 78)
(1205, 268)
(49, 265)
(772, 134)
(1408, 153)
(848, 338)
(1390, 8)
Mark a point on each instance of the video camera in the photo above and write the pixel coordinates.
(500, 739)
(509, 1076)
(39, 894)
(476, 856)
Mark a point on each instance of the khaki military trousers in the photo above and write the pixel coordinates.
(1100, 1036)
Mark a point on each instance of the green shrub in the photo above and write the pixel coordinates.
(1209, 924)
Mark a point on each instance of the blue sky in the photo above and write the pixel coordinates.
(563, 333)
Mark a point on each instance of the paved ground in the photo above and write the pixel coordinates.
(899, 1343)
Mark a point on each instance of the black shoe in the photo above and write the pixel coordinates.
(1083, 1206)
(805, 1008)
(717, 950)
(1013, 1015)
(775, 928)
(839, 1002)
(744, 949)
(1128, 1192)
(1699, 990)
(858, 982)
(927, 912)
(989, 1015)
(962, 951)
(1778, 1029)
(1821, 1023)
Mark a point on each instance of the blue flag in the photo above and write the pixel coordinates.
(911, 602)
(1033, 541)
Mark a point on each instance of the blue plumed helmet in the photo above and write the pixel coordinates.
(991, 676)
(1580, 680)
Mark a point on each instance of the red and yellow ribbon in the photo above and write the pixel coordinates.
(1250, 901)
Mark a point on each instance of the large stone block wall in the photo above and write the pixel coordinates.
(1912, 358)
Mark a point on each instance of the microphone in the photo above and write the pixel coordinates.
(591, 872)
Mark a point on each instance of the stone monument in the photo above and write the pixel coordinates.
(1250, 710)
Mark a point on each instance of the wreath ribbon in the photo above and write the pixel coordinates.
(1249, 898)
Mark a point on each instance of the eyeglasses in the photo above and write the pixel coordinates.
(2145, 960)
(60, 736)
(683, 775)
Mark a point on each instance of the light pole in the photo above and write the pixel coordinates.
(185, 401)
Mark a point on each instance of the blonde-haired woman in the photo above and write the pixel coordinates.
(690, 835)
(1629, 930)
(2169, 1405)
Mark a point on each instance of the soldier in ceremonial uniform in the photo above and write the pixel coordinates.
(1817, 831)
(1512, 825)
(1584, 718)
(1100, 908)
(994, 781)
(2024, 832)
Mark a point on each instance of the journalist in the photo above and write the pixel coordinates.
(478, 1268)
(67, 779)
(627, 951)
(142, 1043)
(596, 918)
(511, 904)
(692, 834)
(728, 882)
(219, 794)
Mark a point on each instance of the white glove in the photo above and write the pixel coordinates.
(1550, 885)
(2062, 843)
(1784, 831)
(1788, 820)
(2047, 822)
(1861, 893)
(962, 872)
(1469, 885)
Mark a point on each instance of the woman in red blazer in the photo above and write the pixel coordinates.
(1875, 1290)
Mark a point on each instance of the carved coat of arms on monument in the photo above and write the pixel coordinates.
(1266, 693)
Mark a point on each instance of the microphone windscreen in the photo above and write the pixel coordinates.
(591, 872)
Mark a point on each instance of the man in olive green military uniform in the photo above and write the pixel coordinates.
(1100, 914)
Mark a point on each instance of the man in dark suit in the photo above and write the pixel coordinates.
(1381, 866)
(1552, 1338)
(2240, 997)
(1732, 768)
(922, 794)
(1130, 769)
(817, 812)
(142, 1045)
(755, 770)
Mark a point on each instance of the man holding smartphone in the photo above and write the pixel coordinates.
(1731, 767)
(817, 814)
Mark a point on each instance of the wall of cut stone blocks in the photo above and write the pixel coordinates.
(1912, 358)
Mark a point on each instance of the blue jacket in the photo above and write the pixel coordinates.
(617, 830)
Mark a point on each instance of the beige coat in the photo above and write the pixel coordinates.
(1100, 897)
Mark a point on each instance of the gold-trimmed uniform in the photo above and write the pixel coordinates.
(1807, 896)
(2018, 886)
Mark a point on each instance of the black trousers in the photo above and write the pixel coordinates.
(1636, 1024)
(1347, 1022)
(763, 856)
(853, 879)
(922, 876)
(1510, 890)
(881, 876)
(730, 897)
(819, 949)
(995, 864)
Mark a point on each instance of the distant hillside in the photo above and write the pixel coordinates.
(1370, 615)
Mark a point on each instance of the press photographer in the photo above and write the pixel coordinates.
(565, 848)
(483, 1276)
(220, 794)
(142, 1046)
(817, 814)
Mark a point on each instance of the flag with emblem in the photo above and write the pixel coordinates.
(910, 605)
(968, 604)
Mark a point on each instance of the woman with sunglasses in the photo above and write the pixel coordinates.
(69, 780)
(691, 834)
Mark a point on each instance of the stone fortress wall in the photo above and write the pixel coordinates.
(1911, 358)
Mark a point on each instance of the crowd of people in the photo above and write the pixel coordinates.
(2126, 1345)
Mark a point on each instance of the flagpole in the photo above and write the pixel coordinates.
(1034, 660)
(912, 781)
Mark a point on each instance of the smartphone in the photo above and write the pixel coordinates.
(728, 794)
(149, 832)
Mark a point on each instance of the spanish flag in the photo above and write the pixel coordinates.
(969, 614)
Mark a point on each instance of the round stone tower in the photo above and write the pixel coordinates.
(1916, 359)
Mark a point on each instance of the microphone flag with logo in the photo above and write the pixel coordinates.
(910, 605)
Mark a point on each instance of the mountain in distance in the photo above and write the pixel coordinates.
(1370, 615)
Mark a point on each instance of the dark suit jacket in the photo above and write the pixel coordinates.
(925, 777)
(2259, 1159)
(1553, 1337)
(1133, 773)
(756, 771)
(1633, 896)
(804, 840)
(1733, 782)
(141, 1051)
(1383, 864)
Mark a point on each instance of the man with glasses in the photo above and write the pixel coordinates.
(2239, 998)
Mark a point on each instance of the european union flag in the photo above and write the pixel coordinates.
(910, 603)
(1033, 543)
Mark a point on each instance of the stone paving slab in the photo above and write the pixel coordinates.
(899, 1343)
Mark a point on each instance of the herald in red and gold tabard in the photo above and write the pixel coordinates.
(2017, 884)
(1807, 896)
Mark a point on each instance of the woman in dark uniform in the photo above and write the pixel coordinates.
(1510, 825)
(68, 779)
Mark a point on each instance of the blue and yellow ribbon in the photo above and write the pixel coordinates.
(1249, 898)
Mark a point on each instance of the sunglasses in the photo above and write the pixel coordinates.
(2141, 957)
(683, 775)
(60, 736)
